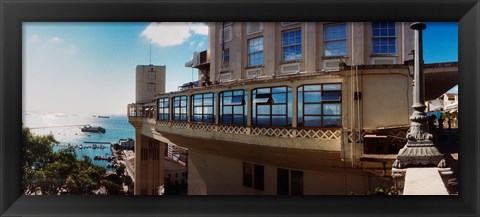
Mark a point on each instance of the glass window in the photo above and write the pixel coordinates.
(164, 109)
(151, 87)
(289, 182)
(226, 56)
(233, 107)
(335, 39)
(152, 75)
(247, 175)
(319, 105)
(384, 38)
(180, 108)
(282, 182)
(272, 106)
(296, 182)
(203, 108)
(263, 98)
(255, 52)
(253, 176)
(292, 45)
(331, 95)
(237, 100)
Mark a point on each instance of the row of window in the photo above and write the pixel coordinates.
(335, 43)
(289, 182)
(319, 105)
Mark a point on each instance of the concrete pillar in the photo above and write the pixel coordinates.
(149, 165)
(294, 106)
(250, 106)
(310, 46)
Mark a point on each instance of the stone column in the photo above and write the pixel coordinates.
(419, 150)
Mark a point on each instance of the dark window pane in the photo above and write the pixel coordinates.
(258, 177)
(313, 121)
(247, 174)
(331, 96)
(263, 120)
(237, 100)
(332, 121)
(279, 121)
(297, 182)
(226, 119)
(282, 182)
(209, 118)
(238, 119)
(197, 118)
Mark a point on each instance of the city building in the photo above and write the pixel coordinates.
(288, 108)
(445, 102)
(126, 143)
(175, 172)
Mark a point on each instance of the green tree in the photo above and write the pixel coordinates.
(50, 173)
(120, 170)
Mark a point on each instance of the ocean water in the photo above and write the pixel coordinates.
(66, 128)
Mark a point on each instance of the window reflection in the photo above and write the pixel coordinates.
(203, 108)
(272, 106)
(180, 108)
(163, 109)
(233, 107)
(319, 105)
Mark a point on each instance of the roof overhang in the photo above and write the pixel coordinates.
(439, 78)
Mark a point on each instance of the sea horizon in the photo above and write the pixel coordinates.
(66, 129)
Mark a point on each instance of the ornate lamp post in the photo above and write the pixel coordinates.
(419, 150)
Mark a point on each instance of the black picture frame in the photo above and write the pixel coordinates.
(14, 12)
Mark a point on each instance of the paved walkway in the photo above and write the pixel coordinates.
(424, 181)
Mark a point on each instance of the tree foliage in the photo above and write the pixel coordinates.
(51, 173)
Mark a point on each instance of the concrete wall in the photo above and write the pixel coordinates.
(149, 165)
(211, 174)
(142, 94)
(359, 47)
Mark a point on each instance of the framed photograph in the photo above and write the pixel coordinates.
(162, 108)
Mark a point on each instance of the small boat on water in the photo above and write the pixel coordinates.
(90, 129)
(103, 116)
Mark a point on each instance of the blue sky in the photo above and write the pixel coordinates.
(89, 68)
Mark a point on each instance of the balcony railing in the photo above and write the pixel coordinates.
(331, 134)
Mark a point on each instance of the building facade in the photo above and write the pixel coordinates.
(291, 108)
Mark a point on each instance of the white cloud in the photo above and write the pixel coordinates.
(199, 28)
(171, 34)
(200, 45)
(34, 38)
(56, 40)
